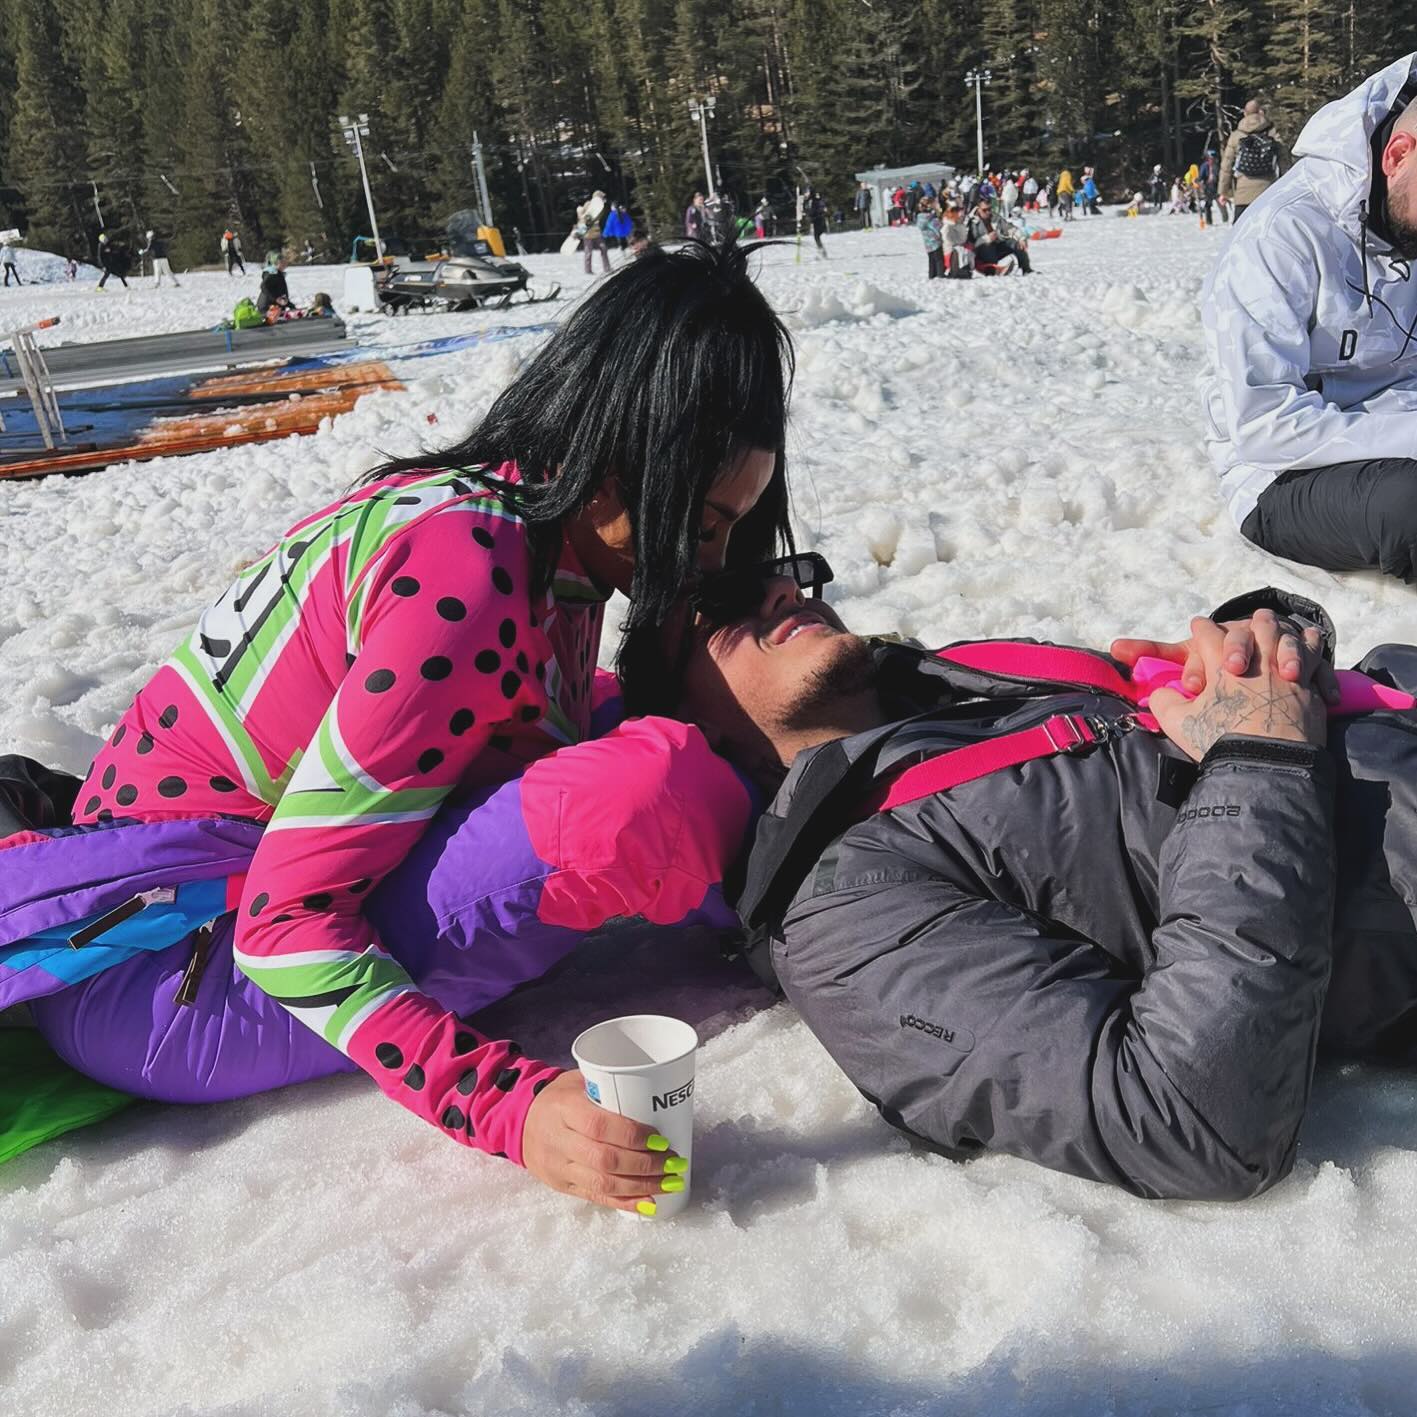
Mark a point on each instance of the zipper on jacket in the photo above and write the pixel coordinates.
(159, 895)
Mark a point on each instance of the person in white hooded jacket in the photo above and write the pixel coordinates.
(1310, 317)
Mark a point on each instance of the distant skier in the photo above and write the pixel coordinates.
(7, 259)
(231, 249)
(157, 249)
(1156, 186)
(817, 215)
(115, 260)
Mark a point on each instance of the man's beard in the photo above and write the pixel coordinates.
(848, 674)
(1401, 230)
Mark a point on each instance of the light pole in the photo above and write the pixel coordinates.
(979, 77)
(481, 173)
(701, 110)
(355, 131)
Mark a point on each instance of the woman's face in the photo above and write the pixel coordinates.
(605, 542)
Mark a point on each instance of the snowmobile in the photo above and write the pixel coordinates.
(478, 280)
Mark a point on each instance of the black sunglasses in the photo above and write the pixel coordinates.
(722, 597)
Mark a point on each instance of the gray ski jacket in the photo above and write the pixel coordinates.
(1116, 963)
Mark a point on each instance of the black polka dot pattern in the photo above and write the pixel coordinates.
(438, 667)
(390, 1055)
(541, 1086)
(488, 662)
(451, 608)
(507, 1079)
(146, 743)
(361, 885)
(502, 580)
(453, 1117)
(109, 774)
(118, 734)
(126, 795)
(530, 713)
(103, 815)
(510, 684)
(483, 537)
(413, 1079)
(404, 585)
(464, 1043)
(429, 759)
(522, 662)
(467, 1082)
(260, 903)
(461, 721)
(319, 901)
(168, 717)
(380, 681)
(221, 784)
(172, 787)
(91, 806)
(507, 633)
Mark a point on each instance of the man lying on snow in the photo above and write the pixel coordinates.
(1105, 941)
(1311, 324)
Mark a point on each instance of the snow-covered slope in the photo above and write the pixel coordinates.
(1008, 456)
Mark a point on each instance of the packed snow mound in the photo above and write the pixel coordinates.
(45, 268)
(861, 301)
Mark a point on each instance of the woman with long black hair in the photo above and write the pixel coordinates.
(438, 629)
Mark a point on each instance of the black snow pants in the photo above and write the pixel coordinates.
(1346, 517)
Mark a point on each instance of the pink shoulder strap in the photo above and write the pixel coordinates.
(1048, 664)
(1063, 733)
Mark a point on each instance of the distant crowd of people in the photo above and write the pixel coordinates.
(1253, 161)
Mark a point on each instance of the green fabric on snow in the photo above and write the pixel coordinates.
(42, 1097)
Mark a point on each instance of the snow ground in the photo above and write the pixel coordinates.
(1008, 456)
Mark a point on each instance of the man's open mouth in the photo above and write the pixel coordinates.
(794, 625)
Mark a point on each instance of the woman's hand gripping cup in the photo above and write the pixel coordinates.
(581, 1149)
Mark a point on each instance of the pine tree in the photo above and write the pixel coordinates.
(1013, 131)
(1305, 56)
(46, 147)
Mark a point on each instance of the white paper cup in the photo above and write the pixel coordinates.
(642, 1066)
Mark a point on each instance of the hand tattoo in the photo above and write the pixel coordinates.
(1259, 707)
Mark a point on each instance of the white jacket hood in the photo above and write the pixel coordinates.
(1339, 139)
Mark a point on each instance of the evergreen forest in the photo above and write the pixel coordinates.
(187, 117)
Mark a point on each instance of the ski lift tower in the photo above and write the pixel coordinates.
(355, 130)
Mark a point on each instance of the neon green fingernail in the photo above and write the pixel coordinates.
(672, 1183)
(655, 1142)
(646, 1207)
(676, 1165)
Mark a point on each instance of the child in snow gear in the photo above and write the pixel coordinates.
(7, 259)
(927, 221)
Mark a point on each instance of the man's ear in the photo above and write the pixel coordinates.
(1399, 148)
